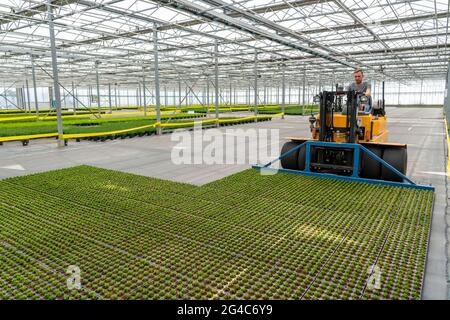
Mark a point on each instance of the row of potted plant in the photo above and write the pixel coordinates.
(243, 237)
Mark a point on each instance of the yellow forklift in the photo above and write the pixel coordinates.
(347, 143)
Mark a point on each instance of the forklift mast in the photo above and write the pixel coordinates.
(327, 109)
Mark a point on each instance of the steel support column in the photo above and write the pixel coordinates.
(304, 90)
(33, 74)
(90, 96)
(28, 95)
(174, 96)
(421, 91)
(74, 99)
(165, 96)
(278, 94)
(57, 101)
(289, 93)
(118, 96)
(255, 70)
(109, 98)
(447, 97)
(265, 93)
(143, 90)
(138, 95)
(283, 90)
(98, 85)
(157, 93)
(231, 92)
(115, 95)
(207, 94)
(216, 78)
(179, 92)
(249, 97)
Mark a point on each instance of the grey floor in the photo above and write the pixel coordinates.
(422, 129)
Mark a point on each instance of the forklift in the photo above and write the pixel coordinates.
(338, 127)
(346, 144)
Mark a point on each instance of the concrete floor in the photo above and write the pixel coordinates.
(422, 129)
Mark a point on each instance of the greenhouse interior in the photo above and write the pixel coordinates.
(224, 150)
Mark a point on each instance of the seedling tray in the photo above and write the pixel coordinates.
(246, 236)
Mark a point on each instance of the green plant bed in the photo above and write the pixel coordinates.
(25, 117)
(8, 129)
(10, 111)
(262, 109)
(290, 110)
(248, 236)
(15, 115)
(43, 111)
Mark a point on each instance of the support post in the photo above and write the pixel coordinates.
(50, 96)
(24, 99)
(174, 98)
(57, 100)
(304, 90)
(447, 96)
(421, 90)
(28, 96)
(265, 94)
(90, 96)
(216, 79)
(165, 96)
(138, 95)
(179, 91)
(143, 90)
(283, 90)
(249, 98)
(157, 93)
(5, 92)
(278, 94)
(74, 102)
(19, 99)
(98, 85)
(231, 91)
(115, 95)
(109, 98)
(207, 94)
(118, 102)
(255, 70)
(289, 93)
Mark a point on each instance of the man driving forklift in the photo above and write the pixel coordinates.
(362, 87)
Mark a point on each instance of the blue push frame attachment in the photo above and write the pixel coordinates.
(357, 148)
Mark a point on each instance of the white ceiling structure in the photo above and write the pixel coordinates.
(324, 40)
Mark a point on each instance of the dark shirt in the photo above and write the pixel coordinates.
(362, 87)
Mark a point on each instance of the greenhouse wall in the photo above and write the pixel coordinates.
(426, 92)
(417, 92)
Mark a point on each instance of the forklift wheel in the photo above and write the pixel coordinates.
(371, 168)
(290, 161)
(398, 158)
(301, 158)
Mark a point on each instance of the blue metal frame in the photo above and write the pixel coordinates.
(357, 148)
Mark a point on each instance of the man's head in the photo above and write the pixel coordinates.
(358, 75)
